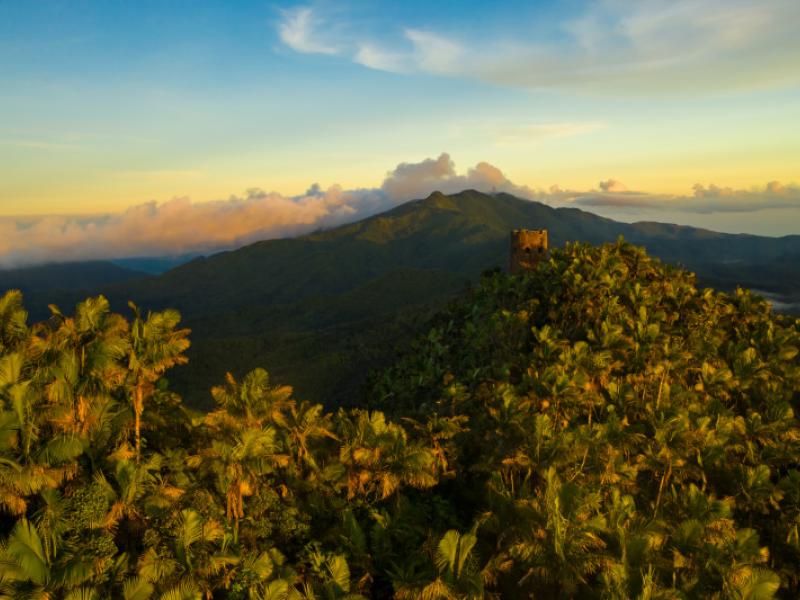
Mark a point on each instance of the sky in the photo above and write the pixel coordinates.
(117, 115)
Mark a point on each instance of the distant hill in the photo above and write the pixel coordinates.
(154, 265)
(87, 275)
(319, 310)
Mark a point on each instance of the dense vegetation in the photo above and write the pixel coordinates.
(597, 428)
(316, 308)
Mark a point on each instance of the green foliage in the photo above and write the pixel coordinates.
(627, 434)
(597, 428)
(111, 489)
(323, 310)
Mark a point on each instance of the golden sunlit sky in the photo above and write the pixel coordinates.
(107, 106)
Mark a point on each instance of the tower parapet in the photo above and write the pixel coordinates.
(528, 248)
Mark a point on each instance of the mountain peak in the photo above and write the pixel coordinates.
(418, 252)
(435, 196)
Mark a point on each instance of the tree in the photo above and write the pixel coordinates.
(155, 346)
(13, 322)
(599, 427)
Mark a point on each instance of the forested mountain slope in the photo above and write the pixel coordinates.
(335, 303)
(461, 234)
(596, 428)
(50, 278)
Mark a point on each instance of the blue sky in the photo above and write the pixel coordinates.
(109, 105)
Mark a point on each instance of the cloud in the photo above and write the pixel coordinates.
(655, 46)
(612, 185)
(713, 198)
(705, 199)
(425, 51)
(374, 57)
(434, 53)
(619, 46)
(181, 226)
(417, 180)
(298, 30)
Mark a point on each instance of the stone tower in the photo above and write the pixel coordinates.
(528, 248)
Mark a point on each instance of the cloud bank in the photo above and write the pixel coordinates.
(181, 226)
(617, 46)
(708, 199)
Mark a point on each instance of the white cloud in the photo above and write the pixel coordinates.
(434, 53)
(426, 52)
(618, 46)
(660, 45)
(181, 226)
(298, 30)
(705, 199)
(370, 55)
(417, 180)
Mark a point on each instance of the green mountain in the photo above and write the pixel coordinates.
(596, 428)
(154, 265)
(67, 276)
(337, 303)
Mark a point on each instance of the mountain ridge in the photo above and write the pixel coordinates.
(312, 309)
(70, 275)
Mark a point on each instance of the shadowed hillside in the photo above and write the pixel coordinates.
(66, 276)
(338, 302)
(593, 428)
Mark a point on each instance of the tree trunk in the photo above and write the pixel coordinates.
(138, 401)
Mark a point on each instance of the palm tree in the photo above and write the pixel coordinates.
(378, 456)
(23, 561)
(254, 401)
(155, 346)
(329, 578)
(13, 317)
(302, 425)
(26, 465)
(79, 360)
(27, 570)
(237, 461)
(193, 561)
(458, 576)
(553, 535)
(129, 491)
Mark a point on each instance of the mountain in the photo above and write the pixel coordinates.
(598, 428)
(154, 265)
(320, 310)
(87, 275)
